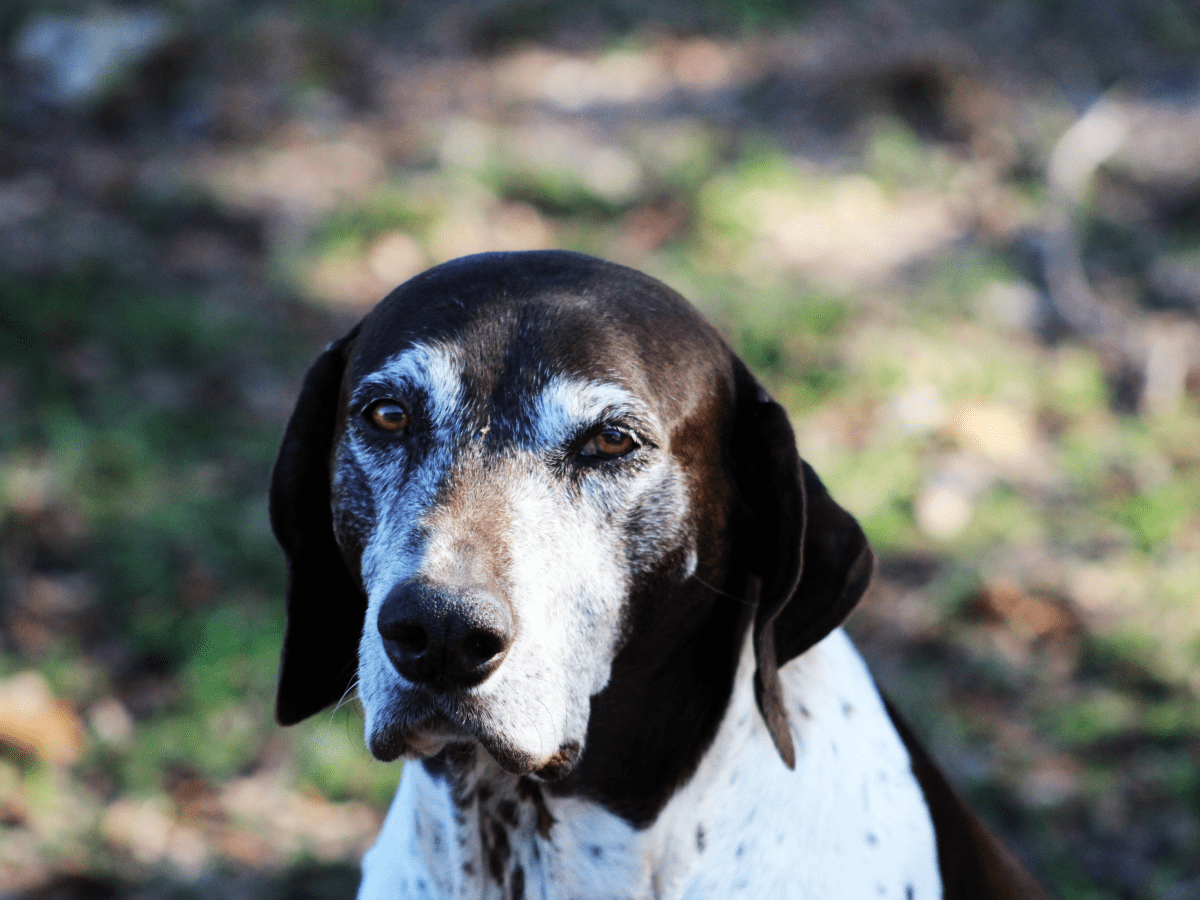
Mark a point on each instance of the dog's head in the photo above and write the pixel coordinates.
(520, 469)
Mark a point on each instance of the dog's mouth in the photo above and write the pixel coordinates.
(425, 723)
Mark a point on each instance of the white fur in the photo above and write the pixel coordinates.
(567, 403)
(849, 822)
(435, 369)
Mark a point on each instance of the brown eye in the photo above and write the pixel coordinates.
(608, 443)
(387, 415)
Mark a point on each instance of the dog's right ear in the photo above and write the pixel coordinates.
(325, 608)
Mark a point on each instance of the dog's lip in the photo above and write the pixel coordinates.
(446, 719)
(424, 738)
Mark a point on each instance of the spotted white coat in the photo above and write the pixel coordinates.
(849, 821)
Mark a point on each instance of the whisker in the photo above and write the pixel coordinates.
(720, 593)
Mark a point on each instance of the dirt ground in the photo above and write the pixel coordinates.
(960, 242)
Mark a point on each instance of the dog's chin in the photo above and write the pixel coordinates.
(430, 739)
(390, 743)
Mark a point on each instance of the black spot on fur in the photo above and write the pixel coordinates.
(508, 811)
(529, 790)
(741, 849)
(517, 891)
(496, 847)
(596, 851)
(700, 841)
(871, 839)
(909, 893)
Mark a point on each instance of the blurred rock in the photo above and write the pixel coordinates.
(466, 144)
(395, 257)
(518, 226)
(34, 720)
(945, 505)
(306, 179)
(999, 433)
(152, 834)
(468, 228)
(111, 722)
(848, 232)
(573, 83)
(1172, 352)
(343, 281)
(942, 511)
(576, 158)
(1013, 304)
(74, 59)
(293, 823)
(918, 410)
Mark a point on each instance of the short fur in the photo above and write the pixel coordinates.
(661, 623)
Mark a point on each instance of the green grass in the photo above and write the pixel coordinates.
(130, 400)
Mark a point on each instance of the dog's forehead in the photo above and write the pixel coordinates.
(515, 321)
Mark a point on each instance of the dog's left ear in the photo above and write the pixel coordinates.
(325, 608)
(810, 557)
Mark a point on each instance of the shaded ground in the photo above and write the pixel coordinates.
(960, 241)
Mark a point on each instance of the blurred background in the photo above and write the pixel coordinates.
(959, 240)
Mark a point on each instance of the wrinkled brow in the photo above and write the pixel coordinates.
(434, 369)
(567, 404)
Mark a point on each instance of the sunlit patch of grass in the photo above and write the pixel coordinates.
(1100, 714)
(875, 480)
(1074, 385)
(333, 759)
(396, 208)
(949, 284)
(899, 160)
(891, 527)
(1156, 516)
(1003, 515)
(728, 202)
(132, 403)
(679, 157)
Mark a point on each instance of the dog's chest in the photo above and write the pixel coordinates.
(849, 821)
(500, 838)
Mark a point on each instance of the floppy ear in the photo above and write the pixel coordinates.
(811, 560)
(325, 608)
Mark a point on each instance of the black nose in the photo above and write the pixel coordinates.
(442, 638)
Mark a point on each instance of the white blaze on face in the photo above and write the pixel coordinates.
(552, 535)
(434, 371)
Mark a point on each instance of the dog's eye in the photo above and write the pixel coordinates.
(387, 415)
(608, 443)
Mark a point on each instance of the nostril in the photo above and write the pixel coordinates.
(480, 645)
(410, 638)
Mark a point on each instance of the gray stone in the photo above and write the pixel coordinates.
(76, 60)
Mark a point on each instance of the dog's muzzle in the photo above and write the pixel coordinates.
(445, 639)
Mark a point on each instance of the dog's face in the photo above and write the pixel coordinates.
(520, 473)
(527, 463)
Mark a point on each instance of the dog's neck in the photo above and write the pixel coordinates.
(659, 713)
(471, 830)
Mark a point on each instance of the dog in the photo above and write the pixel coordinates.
(561, 541)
